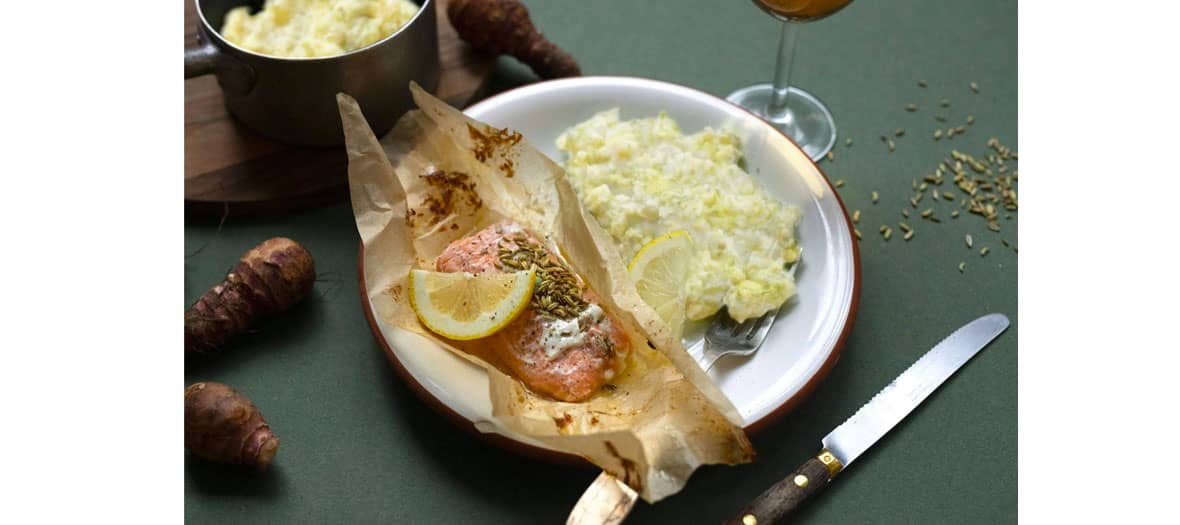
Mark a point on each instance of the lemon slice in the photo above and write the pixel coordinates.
(659, 271)
(465, 306)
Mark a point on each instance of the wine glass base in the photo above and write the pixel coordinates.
(807, 121)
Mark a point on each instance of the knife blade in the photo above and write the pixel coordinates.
(876, 418)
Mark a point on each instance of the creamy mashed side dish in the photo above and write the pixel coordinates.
(643, 178)
(315, 28)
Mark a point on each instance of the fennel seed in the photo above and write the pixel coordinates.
(983, 251)
(969, 240)
(908, 235)
(856, 216)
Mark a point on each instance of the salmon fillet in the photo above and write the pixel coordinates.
(568, 356)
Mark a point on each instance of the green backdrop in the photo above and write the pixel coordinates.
(359, 447)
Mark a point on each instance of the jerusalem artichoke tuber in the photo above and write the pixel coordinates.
(221, 425)
(270, 278)
(503, 26)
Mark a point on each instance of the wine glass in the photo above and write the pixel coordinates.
(796, 112)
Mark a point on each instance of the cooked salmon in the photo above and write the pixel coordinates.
(567, 353)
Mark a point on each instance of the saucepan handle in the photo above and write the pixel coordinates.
(235, 76)
(200, 60)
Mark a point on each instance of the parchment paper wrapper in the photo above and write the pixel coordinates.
(664, 418)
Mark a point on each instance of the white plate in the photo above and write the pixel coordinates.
(810, 330)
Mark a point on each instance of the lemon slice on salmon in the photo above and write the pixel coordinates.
(659, 270)
(466, 306)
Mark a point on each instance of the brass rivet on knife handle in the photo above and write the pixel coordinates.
(829, 460)
(783, 497)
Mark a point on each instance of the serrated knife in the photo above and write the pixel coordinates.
(892, 404)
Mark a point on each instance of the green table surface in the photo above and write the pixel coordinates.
(359, 447)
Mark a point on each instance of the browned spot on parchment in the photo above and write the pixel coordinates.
(563, 421)
(630, 469)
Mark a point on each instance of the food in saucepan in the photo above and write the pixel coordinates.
(315, 28)
(642, 178)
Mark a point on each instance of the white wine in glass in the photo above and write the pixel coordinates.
(796, 112)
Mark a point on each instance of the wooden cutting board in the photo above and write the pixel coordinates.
(229, 167)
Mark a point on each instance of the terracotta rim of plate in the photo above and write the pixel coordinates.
(535, 452)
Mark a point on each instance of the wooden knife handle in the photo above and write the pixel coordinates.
(774, 505)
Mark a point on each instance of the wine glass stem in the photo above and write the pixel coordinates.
(777, 107)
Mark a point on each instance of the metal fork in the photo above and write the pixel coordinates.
(728, 337)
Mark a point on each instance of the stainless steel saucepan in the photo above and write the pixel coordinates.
(294, 99)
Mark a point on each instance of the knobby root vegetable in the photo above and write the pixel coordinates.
(221, 425)
(503, 26)
(270, 278)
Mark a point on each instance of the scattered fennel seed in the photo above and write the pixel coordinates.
(921, 83)
(908, 235)
(969, 240)
(962, 266)
(839, 183)
(875, 197)
(899, 132)
(911, 107)
(975, 87)
(831, 156)
(856, 216)
(983, 251)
